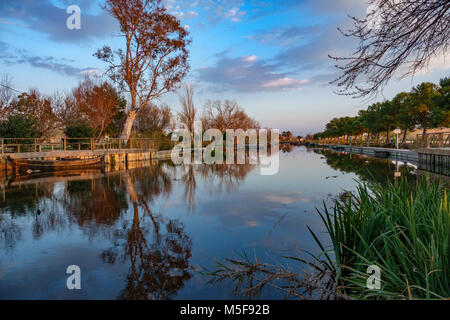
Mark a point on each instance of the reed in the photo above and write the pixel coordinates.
(403, 230)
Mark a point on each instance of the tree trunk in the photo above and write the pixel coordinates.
(424, 136)
(424, 129)
(405, 133)
(126, 133)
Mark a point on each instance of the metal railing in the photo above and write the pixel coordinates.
(434, 140)
(18, 145)
(431, 140)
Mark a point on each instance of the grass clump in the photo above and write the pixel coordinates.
(401, 229)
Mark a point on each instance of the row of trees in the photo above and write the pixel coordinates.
(93, 109)
(96, 109)
(426, 106)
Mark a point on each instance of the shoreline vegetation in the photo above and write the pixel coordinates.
(425, 107)
(402, 228)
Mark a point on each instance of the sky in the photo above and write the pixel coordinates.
(269, 56)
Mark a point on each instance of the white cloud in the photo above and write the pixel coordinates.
(251, 58)
(248, 74)
(235, 14)
(285, 83)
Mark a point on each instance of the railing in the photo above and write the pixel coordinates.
(431, 140)
(17, 145)
(434, 140)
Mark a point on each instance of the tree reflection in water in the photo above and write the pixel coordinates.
(368, 169)
(21, 201)
(157, 248)
(217, 178)
(117, 208)
(95, 205)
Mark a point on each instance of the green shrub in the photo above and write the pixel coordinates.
(79, 130)
(19, 126)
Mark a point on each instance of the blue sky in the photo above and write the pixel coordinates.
(269, 56)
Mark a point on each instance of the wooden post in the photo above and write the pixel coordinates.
(64, 144)
(35, 144)
(92, 144)
(427, 141)
(119, 144)
(441, 140)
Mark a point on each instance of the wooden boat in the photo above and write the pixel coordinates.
(30, 166)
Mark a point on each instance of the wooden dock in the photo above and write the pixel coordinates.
(110, 156)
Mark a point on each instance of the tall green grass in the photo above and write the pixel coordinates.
(404, 230)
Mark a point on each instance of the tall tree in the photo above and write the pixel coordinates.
(6, 96)
(372, 119)
(188, 111)
(441, 112)
(422, 104)
(393, 34)
(155, 59)
(389, 114)
(402, 103)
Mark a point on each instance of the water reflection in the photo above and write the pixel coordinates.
(130, 233)
(368, 169)
(157, 248)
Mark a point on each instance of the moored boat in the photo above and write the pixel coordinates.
(29, 166)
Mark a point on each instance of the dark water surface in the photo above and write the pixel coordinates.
(145, 233)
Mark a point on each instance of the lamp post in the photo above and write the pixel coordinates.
(397, 132)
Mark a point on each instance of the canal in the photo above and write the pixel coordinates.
(147, 233)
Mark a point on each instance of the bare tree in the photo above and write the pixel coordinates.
(156, 57)
(6, 96)
(188, 113)
(154, 119)
(226, 115)
(395, 34)
(65, 107)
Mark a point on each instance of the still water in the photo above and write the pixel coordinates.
(147, 233)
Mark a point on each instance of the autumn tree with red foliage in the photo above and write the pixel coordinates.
(155, 58)
(97, 103)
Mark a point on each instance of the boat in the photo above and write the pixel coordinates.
(32, 166)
